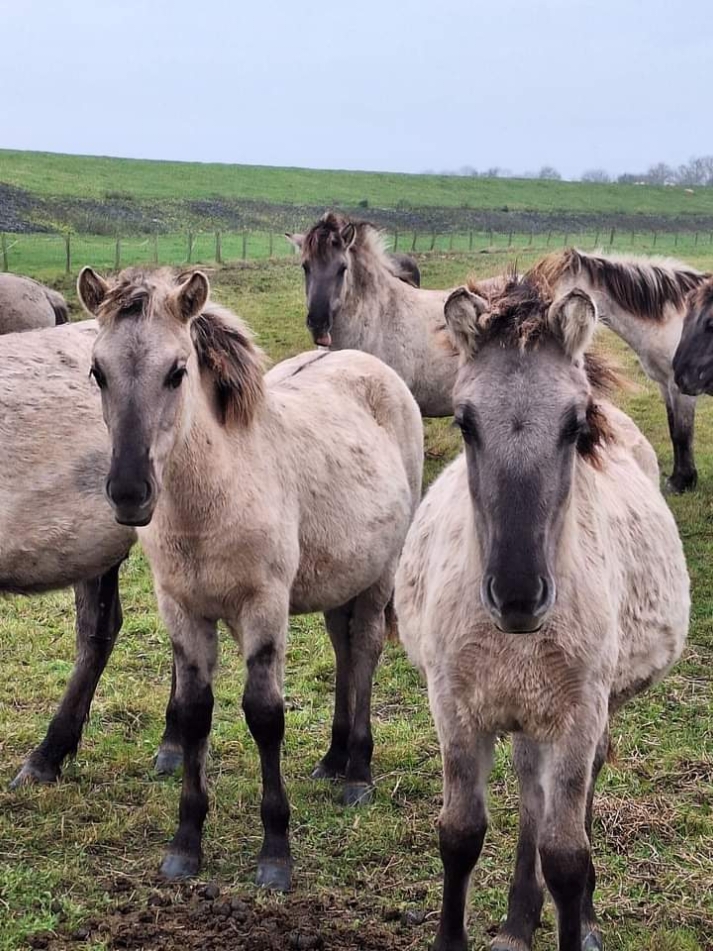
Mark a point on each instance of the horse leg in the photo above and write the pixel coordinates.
(681, 415)
(461, 829)
(98, 621)
(195, 649)
(334, 762)
(564, 845)
(526, 894)
(368, 632)
(169, 757)
(592, 938)
(264, 634)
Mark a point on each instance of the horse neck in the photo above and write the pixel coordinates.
(370, 298)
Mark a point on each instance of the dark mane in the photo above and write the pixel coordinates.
(643, 287)
(326, 235)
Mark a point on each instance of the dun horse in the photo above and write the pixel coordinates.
(693, 362)
(542, 585)
(28, 305)
(254, 498)
(643, 300)
(56, 527)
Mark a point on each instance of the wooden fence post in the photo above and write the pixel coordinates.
(566, 240)
(189, 249)
(218, 249)
(245, 245)
(675, 239)
(532, 236)
(510, 240)
(117, 254)
(596, 238)
(632, 238)
(5, 265)
(413, 243)
(490, 238)
(695, 241)
(270, 245)
(549, 237)
(67, 255)
(155, 247)
(611, 237)
(470, 240)
(450, 243)
(656, 234)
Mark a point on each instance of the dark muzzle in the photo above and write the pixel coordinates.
(518, 605)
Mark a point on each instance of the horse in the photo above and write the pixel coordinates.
(643, 300)
(357, 299)
(254, 497)
(693, 361)
(542, 585)
(25, 304)
(56, 527)
(405, 268)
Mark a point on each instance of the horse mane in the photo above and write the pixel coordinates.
(224, 346)
(702, 297)
(326, 234)
(641, 285)
(227, 353)
(517, 317)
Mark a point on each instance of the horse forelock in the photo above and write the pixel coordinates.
(325, 236)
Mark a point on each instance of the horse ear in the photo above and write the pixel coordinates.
(463, 312)
(348, 235)
(191, 296)
(296, 240)
(574, 319)
(91, 289)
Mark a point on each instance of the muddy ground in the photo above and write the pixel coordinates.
(209, 918)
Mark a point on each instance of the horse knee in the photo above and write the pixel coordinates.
(461, 838)
(193, 711)
(262, 704)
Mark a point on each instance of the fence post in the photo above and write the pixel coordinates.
(155, 247)
(396, 241)
(5, 265)
(450, 243)
(510, 240)
(596, 238)
(566, 240)
(67, 255)
(413, 243)
(549, 237)
(675, 239)
(245, 245)
(270, 244)
(189, 250)
(490, 237)
(695, 241)
(532, 235)
(656, 234)
(632, 238)
(117, 254)
(470, 240)
(611, 237)
(218, 249)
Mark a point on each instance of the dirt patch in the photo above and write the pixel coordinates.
(207, 918)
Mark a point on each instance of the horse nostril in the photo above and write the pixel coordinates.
(543, 598)
(494, 602)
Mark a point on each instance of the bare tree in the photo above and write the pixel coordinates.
(549, 173)
(598, 175)
(661, 174)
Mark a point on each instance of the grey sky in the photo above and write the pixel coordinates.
(372, 84)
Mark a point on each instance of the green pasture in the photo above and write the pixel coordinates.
(62, 848)
(75, 176)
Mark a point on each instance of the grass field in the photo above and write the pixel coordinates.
(74, 852)
(50, 174)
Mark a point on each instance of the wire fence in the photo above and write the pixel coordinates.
(68, 253)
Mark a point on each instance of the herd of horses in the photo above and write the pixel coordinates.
(539, 584)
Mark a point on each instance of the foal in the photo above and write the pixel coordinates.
(254, 498)
(542, 585)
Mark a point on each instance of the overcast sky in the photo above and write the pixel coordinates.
(368, 84)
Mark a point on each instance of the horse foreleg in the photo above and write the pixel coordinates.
(681, 415)
(264, 634)
(195, 650)
(98, 622)
(526, 892)
(592, 938)
(461, 828)
(169, 757)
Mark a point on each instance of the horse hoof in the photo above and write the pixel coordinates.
(32, 775)
(593, 941)
(178, 865)
(324, 771)
(358, 794)
(168, 761)
(276, 876)
(679, 485)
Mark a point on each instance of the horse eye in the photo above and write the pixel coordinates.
(709, 327)
(98, 375)
(305, 268)
(574, 429)
(175, 377)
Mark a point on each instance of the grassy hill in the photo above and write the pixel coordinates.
(48, 175)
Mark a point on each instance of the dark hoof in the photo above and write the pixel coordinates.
(168, 761)
(358, 794)
(177, 865)
(458, 944)
(35, 775)
(593, 941)
(277, 876)
(323, 770)
(677, 485)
